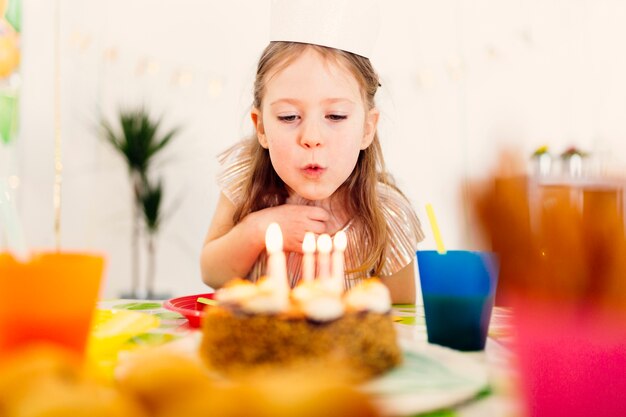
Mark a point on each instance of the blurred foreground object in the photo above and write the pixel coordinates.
(562, 249)
(169, 382)
(50, 297)
(112, 332)
(45, 380)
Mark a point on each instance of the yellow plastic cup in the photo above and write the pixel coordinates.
(50, 298)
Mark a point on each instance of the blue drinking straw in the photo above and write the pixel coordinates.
(10, 223)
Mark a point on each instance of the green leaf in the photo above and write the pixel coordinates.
(165, 140)
(139, 140)
(151, 203)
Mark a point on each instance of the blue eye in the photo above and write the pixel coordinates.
(290, 118)
(336, 117)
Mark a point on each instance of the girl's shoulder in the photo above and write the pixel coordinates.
(235, 165)
(396, 206)
(404, 228)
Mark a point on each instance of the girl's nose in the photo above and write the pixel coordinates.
(311, 135)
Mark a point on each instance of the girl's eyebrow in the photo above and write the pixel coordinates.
(325, 101)
(337, 100)
(285, 100)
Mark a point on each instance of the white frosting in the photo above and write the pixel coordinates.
(323, 307)
(332, 285)
(304, 291)
(270, 298)
(371, 295)
(317, 302)
(265, 303)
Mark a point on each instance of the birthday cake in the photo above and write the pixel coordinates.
(256, 327)
(267, 324)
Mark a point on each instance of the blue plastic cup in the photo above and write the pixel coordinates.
(458, 289)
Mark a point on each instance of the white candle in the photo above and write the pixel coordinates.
(339, 246)
(324, 246)
(308, 257)
(276, 261)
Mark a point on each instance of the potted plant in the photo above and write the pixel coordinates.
(138, 139)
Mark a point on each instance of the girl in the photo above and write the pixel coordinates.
(314, 164)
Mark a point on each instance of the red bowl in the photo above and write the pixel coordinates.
(189, 307)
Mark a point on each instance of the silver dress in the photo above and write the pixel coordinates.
(404, 226)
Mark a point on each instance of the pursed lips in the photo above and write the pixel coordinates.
(313, 170)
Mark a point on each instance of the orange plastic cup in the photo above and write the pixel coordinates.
(51, 298)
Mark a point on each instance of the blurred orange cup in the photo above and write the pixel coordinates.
(51, 298)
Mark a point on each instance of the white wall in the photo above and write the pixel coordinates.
(460, 78)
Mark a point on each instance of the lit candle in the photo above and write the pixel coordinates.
(276, 261)
(308, 257)
(324, 246)
(339, 246)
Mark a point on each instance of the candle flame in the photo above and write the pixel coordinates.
(324, 243)
(308, 244)
(340, 241)
(273, 238)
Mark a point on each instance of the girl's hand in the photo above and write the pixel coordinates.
(294, 220)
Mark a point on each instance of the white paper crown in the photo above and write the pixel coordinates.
(349, 25)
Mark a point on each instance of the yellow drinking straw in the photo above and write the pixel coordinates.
(433, 224)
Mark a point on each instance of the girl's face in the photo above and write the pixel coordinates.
(314, 122)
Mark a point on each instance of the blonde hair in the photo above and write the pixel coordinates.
(264, 188)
